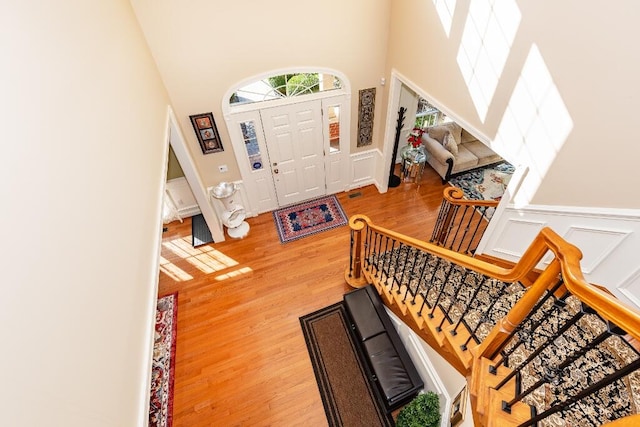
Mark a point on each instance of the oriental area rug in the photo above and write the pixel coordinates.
(162, 370)
(347, 395)
(484, 184)
(305, 219)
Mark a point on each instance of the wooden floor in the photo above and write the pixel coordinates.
(241, 359)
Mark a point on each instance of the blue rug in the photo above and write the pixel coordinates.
(305, 219)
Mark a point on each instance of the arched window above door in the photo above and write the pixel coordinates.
(285, 86)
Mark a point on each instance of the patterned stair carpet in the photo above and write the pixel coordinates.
(572, 359)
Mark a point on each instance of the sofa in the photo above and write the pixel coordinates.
(452, 150)
(388, 364)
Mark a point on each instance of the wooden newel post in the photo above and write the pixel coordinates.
(353, 275)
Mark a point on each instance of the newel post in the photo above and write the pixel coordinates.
(353, 274)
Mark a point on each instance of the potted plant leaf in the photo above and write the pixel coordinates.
(422, 411)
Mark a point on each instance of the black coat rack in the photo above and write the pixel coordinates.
(395, 180)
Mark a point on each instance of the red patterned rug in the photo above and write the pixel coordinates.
(164, 350)
(305, 219)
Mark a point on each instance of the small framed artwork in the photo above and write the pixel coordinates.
(207, 133)
(458, 407)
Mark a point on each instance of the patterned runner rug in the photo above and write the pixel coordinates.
(347, 395)
(305, 219)
(164, 349)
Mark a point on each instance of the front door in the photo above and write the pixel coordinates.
(295, 143)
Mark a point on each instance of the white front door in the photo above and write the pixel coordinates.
(253, 159)
(296, 150)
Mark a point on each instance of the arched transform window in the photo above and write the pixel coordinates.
(285, 86)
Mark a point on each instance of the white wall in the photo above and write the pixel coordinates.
(203, 48)
(83, 118)
(547, 86)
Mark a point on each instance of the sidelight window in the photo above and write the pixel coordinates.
(248, 129)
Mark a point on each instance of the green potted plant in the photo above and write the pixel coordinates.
(422, 411)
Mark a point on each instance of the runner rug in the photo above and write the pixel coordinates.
(305, 219)
(164, 350)
(347, 395)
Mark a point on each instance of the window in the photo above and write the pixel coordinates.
(285, 86)
(428, 115)
(251, 144)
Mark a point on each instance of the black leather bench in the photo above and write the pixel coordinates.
(389, 365)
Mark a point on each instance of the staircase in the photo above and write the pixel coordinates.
(461, 222)
(538, 347)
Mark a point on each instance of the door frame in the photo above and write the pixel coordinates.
(230, 113)
(177, 141)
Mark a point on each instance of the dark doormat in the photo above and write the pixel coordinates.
(200, 234)
(347, 395)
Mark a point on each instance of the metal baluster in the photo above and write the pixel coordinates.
(444, 284)
(404, 269)
(621, 373)
(426, 257)
(367, 247)
(486, 318)
(351, 255)
(415, 263)
(505, 355)
(442, 213)
(430, 281)
(473, 297)
(571, 322)
(386, 265)
(466, 227)
(468, 250)
(379, 258)
(455, 296)
(552, 373)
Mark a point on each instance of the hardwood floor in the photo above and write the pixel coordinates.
(241, 359)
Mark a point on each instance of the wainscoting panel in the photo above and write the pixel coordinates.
(608, 238)
(630, 287)
(516, 236)
(182, 196)
(362, 165)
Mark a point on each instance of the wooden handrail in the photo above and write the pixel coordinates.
(455, 196)
(567, 256)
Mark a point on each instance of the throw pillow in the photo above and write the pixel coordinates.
(455, 130)
(437, 133)
(450, 144)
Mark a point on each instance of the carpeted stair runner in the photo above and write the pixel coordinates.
(477, 302)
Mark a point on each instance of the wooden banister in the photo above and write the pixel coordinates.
(555, 277)
(568, 256)
(455, 196)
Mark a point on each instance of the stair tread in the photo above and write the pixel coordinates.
(488, 381)
(520, 412)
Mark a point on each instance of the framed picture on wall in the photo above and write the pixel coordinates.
(207, 133)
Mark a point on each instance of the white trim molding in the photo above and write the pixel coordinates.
(361, 168)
